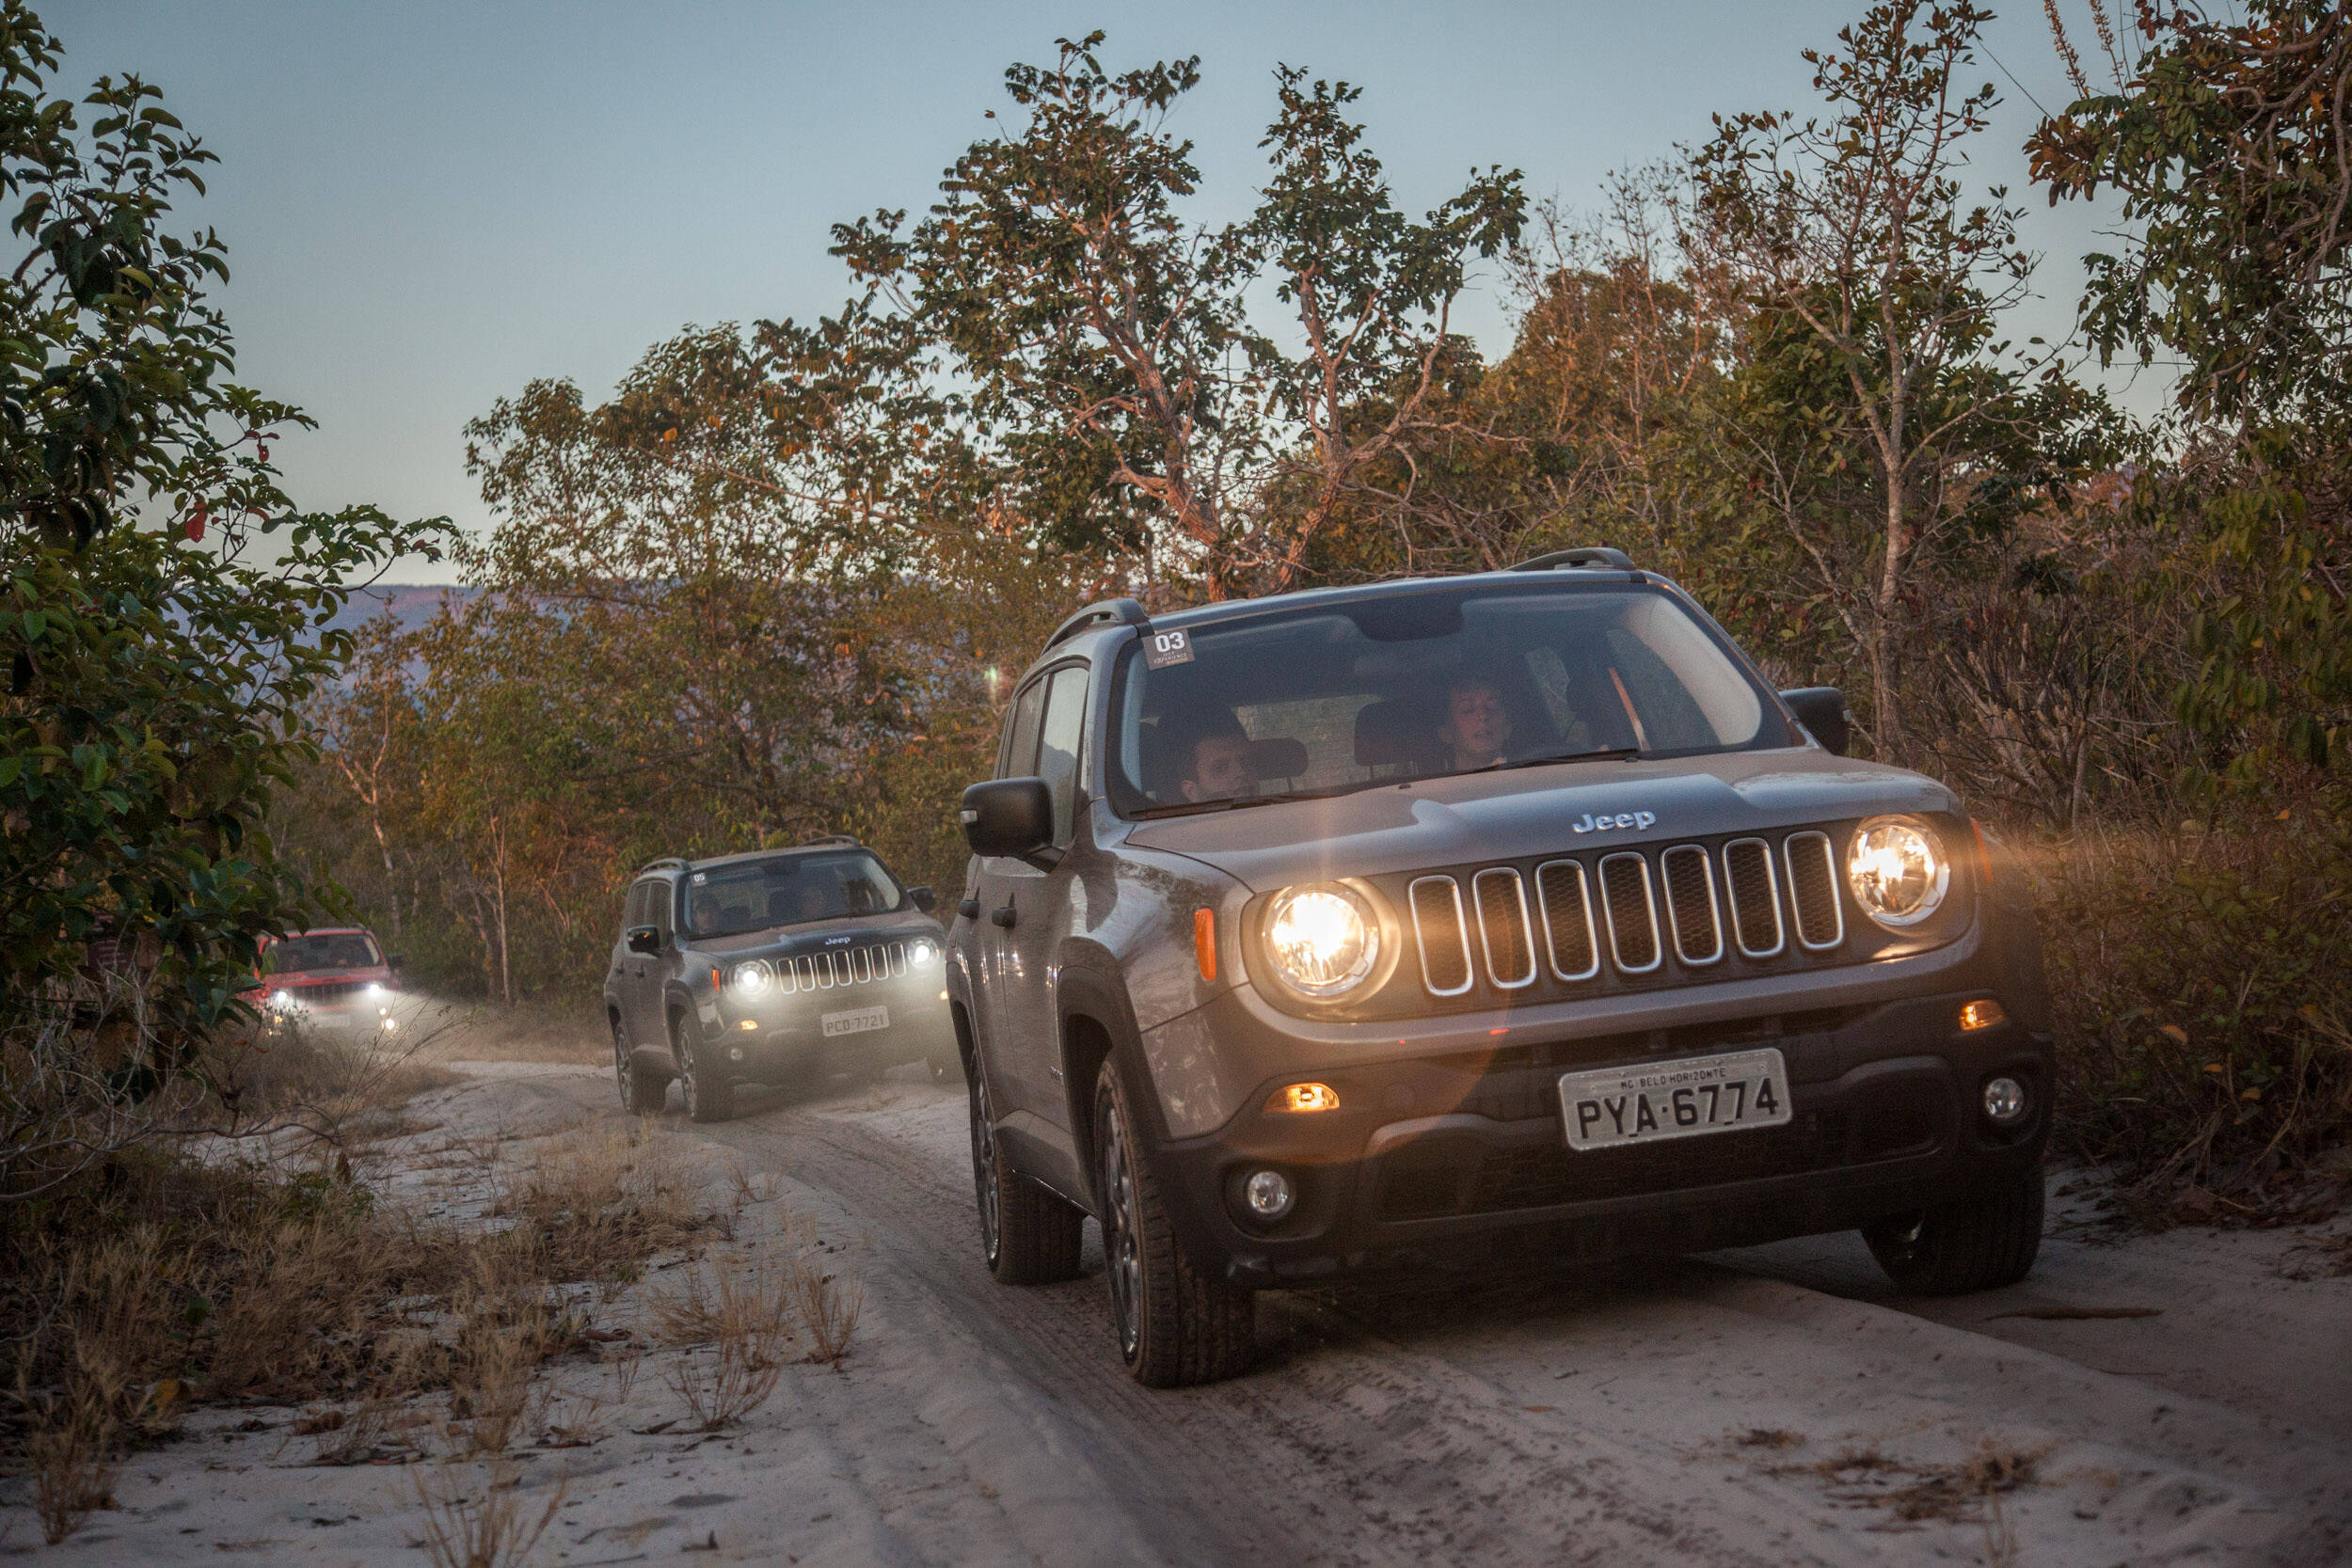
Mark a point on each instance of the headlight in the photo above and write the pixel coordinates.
(282, 1002)
(1322, 939)
(922, 953)
(1897, 870)
(751, 980)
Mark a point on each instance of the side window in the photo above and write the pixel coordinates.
(633, 916)
(1021, 732)
(1060, 744)
(658, 913)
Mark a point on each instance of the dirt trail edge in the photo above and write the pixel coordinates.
(1692, 1414)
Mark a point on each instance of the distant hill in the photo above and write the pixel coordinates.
(411, 604)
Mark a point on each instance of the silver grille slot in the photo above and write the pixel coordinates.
(1443, 936)
(1632, 911)
(1567, 907)
(1690, 875)
(1753, 893)
(1510, 948)
(861, 966)
(1813, 890)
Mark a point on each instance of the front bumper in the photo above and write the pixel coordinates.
(789, 1035)
(1465, 1152)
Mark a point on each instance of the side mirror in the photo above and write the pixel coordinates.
(1821, 710)
(1013, 817)
(644, 939)
(923, 898)
(394, 962)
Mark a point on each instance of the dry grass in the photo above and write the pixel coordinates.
(745, 1321)
(466, 1526)
(2204, 979)
(1973, 1487)
(829, 1308)
(69, 1453)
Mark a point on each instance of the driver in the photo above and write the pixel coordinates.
(1477, 726)
(1217, 759)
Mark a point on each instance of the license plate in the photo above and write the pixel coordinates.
(856, 1020)
(1658, 1101)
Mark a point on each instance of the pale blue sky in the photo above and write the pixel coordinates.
(427, 205)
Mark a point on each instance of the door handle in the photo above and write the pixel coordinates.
(1004, 917)
(969, 908)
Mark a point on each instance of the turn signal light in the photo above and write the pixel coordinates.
(1304, 1097)
(1983, 1013)
(1205, 942)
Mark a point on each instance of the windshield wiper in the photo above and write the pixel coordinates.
(1194, 808)
(1601, 753)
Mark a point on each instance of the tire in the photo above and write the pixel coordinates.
(709, 1093)
(1175, 1324)
(1027, 1235)
(1950, 1249)
(642, 1086)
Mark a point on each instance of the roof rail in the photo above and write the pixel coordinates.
(823, 840)
(661, 864)
(1590, 556)
(1125, 613)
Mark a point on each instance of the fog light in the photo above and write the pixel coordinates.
(1983, 1013)
(735, 1052)
(2005, 1101)
(1304, 1097)
(1268, 1194)
(748, 1025)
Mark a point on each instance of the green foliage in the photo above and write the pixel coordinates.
(153, 679)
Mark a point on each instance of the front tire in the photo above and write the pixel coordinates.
(1176, 1325)
(1978, 1243)
(709, 1093)
(1027, 1235)
(642, 1086)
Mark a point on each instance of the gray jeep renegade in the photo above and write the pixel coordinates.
(1510, 914)
(759, 967)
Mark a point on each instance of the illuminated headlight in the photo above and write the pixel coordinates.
(375, 988)
(1897, 870)
(921, 953)
(751, 980)
(283, 1001)
(1322, 939)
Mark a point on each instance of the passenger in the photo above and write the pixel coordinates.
(1477, 726)
(1217, 765)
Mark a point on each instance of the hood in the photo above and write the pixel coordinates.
(1537, 810)
(293, 979)
(849, 931)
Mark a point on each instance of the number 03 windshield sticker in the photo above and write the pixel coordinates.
(1164, 648)
(1675, 1099)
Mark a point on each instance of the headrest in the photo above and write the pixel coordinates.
(1278, 757)
(1387, 734)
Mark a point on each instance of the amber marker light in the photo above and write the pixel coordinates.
(1205, 942)
(1304, 1097)
(1983, 1013)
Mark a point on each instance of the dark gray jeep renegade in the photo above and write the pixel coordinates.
(1511, 913)
(755, 967)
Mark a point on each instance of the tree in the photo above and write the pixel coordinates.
(157, 673)
(1852, 241)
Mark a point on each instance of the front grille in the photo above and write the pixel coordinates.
(1629, 913)
(1502, 927)
(1445, 966)
(328, 991)
(1632, 913)
(842, 966)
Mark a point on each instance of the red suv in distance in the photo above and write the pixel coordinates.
(336, 978)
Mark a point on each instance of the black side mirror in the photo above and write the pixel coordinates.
(1013, 818)
(644, 939)
(1821, 710)
(923, 898)
(394, 962)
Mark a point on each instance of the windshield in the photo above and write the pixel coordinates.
(1424, 683)
(755, 895)
(321, 950)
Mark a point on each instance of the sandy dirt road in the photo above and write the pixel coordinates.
(1774, 1406)
(1687, 1412)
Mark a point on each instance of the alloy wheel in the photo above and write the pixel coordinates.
(685, 1054)
(621, 1054)
(1120, 1226)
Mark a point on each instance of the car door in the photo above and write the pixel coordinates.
(1041, 899)
(996, 1006)
(629, 968)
